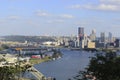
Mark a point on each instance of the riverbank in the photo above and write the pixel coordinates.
(56, 55)
(34, 61)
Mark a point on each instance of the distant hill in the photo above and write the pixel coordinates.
(28, 38)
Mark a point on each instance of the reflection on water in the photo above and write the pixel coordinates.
(67, 66)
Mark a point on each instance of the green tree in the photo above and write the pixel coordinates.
(5, 46)
(104, 66)
(7, 73)
(10, 73)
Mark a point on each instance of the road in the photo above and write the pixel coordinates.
(37, 74)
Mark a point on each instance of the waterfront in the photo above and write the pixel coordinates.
(67, 66)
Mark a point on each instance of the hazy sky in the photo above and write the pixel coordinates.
(59, 17)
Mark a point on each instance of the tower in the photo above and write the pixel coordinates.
(102, 37)
(81, 37)
(110, 37)
(93, 35)
(81, 33)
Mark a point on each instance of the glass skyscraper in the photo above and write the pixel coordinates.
(81, 33)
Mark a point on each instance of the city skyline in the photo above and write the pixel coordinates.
(61, 17)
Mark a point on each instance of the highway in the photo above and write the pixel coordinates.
(36, 73)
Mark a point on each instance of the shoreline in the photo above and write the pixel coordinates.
(34, 61)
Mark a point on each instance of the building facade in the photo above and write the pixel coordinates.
(81, 37)
(102, 36)
(93, 35)
(110, 39)
(81, 33)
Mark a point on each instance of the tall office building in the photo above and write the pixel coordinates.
(110, 37)
(81, 37)
(81, 33)
(93, 35)
(102, 37)
(93, 31)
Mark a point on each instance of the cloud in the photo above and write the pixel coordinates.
(102, 6)
(110, 1)
(77, 6)
(107, 7)
(13, 17)
(42, 13)
(68, 16)
(55, 21)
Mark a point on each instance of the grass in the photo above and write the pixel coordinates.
(37, 61)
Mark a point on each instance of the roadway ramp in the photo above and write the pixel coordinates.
(36, 73)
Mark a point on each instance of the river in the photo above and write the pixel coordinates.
(67, 66)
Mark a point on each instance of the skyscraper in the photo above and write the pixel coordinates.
(93, 35)
(102, 37)
(110, 37)
(81, 37)
(81, 33)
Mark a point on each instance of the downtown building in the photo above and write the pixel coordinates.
(102, 37)
(84, 41)
(81, 37)
(93, 35)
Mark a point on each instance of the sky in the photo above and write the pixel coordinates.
(59, 17)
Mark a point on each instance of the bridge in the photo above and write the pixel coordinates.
(36, 73)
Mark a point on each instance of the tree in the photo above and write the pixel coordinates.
(7, 73)
(103, 66)
(5, 46)
(56, 53)
(10, 72)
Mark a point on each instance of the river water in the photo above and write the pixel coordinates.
(67, 66)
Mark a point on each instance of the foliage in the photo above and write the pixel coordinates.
(28, 38)
(104, 66)
(56, 53)
(1, 48)
(7, 73)
(10, 72)
(2, 59)
(5, 46)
